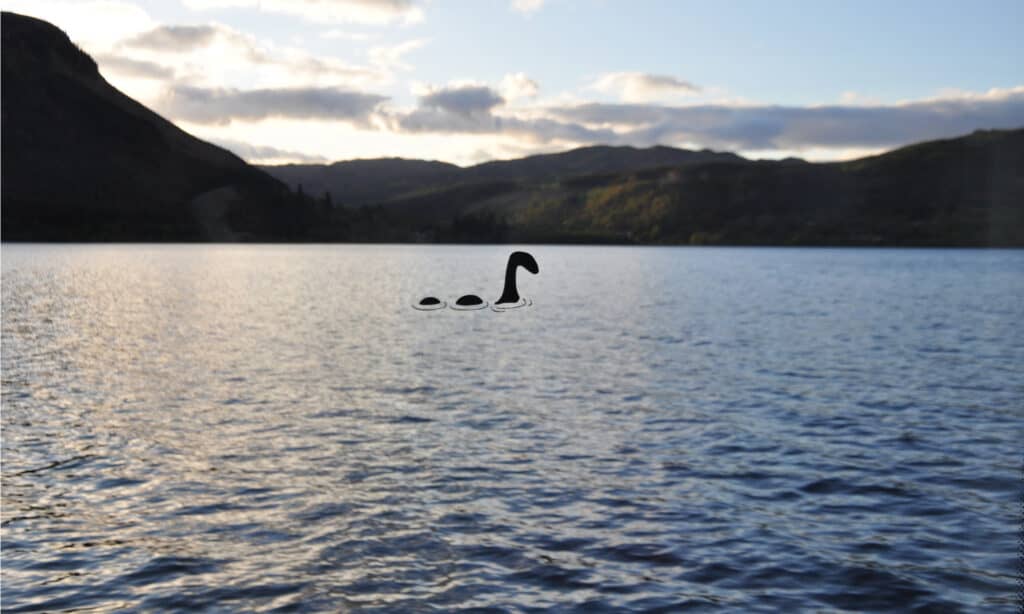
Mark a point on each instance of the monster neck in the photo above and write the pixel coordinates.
(510, 294)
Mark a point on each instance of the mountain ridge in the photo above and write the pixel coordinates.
(368, 181)
(964, 191)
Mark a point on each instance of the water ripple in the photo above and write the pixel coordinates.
(269, 428)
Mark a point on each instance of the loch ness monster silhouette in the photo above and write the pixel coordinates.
(509, 298)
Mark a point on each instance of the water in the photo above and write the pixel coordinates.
(253, 428)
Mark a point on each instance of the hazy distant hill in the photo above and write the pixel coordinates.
(361, 182)
(357, 182)
(82, 161)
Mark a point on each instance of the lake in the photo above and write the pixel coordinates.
(255, 428)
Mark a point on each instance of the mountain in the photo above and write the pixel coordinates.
(82, 161)
(362, 182)
(593, 160)
(359, 182)
(967, 191)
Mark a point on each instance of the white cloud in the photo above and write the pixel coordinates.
(798, 128)
(527, 6)
(817, 132)
(92, 24)
(342, 141)
(173, 38)
(852, 98)
(377, 12)
(518, 85)
(390, 57)
(339, 34)
(265, 154)
(643, 87)
(215, 55)
(465, 123)
(133, 69)
(223, 106)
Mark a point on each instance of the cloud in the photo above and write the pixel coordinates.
(455, 108)
(527, 6)
(222, 106)
(90, 23)
(531, 130)
(173, 38)
(390, 57)
(222, 43)
(762, 127)
(518, 85)
(469, 108)
(338, 34)
(265, 154)
(462, 100)
(459, 107)
(377, 12)
(643, 87)
(480, 110)
(453, 131)
(137, 69)
(218, 55)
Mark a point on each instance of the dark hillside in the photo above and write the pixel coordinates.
(83, 161)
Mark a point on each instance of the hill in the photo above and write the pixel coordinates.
(592, 160)
(361, 182)
(967, 191)
(82, 161)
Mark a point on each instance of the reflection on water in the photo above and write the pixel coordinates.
(253, 427)
(523, 302)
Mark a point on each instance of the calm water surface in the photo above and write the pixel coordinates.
(255, 428)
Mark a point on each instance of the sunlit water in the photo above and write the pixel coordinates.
(237, 428)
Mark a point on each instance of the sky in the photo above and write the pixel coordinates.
(467, 81)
